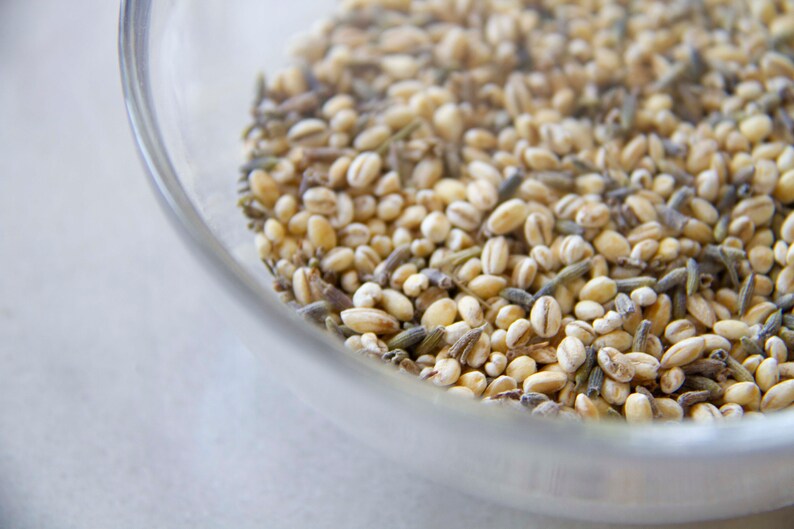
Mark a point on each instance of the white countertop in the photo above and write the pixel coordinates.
(125, 402)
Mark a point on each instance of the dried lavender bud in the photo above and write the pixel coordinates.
(670, 280)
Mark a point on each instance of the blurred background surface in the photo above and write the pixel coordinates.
(125, 402)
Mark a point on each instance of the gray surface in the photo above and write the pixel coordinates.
(124, 400)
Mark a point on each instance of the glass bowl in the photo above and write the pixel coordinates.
(188, 69)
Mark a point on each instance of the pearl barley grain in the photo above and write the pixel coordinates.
(507, 217)
(436, 227)
(364, 169)
(571, 354)
(546, 317)
(637, 409)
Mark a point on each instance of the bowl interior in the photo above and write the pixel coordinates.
(188, 70)
(199, 82)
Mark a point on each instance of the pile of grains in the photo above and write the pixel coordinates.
(580, 209)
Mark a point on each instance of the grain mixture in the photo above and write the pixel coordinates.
(580, 209)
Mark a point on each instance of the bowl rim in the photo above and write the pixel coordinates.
(660, 442)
